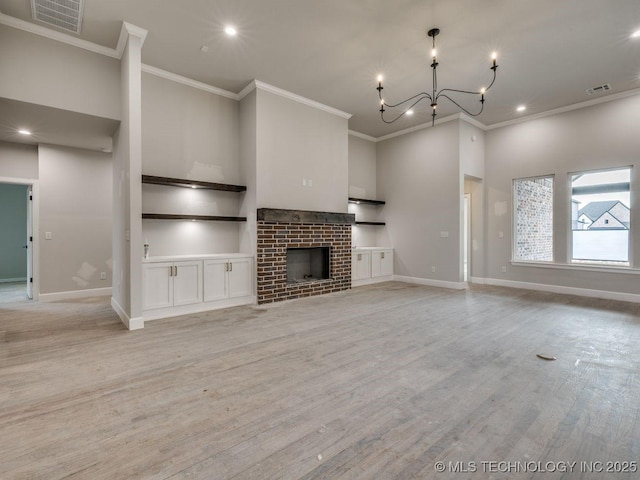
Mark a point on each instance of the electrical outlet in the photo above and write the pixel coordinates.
(500, 234)
(310, 183)
(433, 269)
(47, 236)
(444, 234)
(504, 269)
(103, 275)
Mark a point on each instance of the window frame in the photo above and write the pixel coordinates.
(596, 263)
(514, 231)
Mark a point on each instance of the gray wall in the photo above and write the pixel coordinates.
(418, 175)
(18, 160)
(248, 173)
(296, 142)
(75, 206)
(596, 137)
(189, 133)
(55, 74)
(13, 234)
(362, 184)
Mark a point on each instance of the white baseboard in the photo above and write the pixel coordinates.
(477, 280)
(431, 282)
(131, 323)
(369, 281)
(583, 292)
(159, 313)
(13, 280)
(73, 294)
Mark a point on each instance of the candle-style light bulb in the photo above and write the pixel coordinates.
(433, 53)
(380, 78)
(494, 57)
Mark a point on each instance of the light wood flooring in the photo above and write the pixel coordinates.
(380, 382)
(13, 292)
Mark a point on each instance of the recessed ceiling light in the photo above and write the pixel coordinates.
(521, 108)
(231, 31)
(636, 34)
(409, 112)
(204, 49)
(22, 131)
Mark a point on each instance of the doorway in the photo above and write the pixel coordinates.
(17, 241)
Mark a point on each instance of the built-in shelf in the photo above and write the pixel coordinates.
(365, 201)
(370, 223)
(180, 182)
(205, 218)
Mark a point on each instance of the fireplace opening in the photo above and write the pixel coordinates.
(307, 264)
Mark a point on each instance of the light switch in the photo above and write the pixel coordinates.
(500, 234)
(47, 236)
(444, 234)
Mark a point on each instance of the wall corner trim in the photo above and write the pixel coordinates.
(189, 82)
(129, 30)
(58, 36)
(363, 136)
(422, 126)
(130, 323)
(258, 85)
(430, 282)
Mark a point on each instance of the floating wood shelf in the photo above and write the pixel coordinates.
(365, 201)
(180, 182)
(370, 223)
(205, 218)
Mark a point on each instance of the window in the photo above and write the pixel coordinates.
(600, 216)
(533, 219)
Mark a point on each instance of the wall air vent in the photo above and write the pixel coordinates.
(599, 89)
(64, 14)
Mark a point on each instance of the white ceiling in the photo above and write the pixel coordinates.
(550, 51)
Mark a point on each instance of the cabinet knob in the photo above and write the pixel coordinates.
(382, 255)
(359, 256)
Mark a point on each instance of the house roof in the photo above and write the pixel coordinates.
(595, 210)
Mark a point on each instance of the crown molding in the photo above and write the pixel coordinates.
(58, 36)
(129, 30)
(257, 84)
(189, 82)
(568, 108)
(363, 136)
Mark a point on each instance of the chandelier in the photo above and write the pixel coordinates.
(435, 94)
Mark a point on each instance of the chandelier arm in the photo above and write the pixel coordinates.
(457, 91)
(464, 109)
(495, 70)
(421, 95)
(402, 114)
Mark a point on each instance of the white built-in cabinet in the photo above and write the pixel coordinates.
(227, 278)
(371, 265)
(178, 286)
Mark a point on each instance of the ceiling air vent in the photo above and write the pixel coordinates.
(599, 89)
(64, 14)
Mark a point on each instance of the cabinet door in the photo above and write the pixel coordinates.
(381, 263)
(240, 277)
(187, 283)
(157, 285)
(215, 280)
(361, 266)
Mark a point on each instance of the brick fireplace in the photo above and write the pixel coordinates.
(282, 230)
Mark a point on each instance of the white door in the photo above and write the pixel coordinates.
(157, 285)
(187, 283)
(240, 277)
(215, 280)
(361, 266)
(29, 242)
(376, 263)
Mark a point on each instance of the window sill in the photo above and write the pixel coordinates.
(578, 267)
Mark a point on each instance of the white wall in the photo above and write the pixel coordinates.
(192, 134)
(13, 234)
(46, 72)
(596, 137)
(418, 175)
(297, 142)
(248, 173)
(75, 206)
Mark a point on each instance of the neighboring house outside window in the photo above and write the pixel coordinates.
(601, 223)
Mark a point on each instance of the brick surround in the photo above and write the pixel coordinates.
(275, 235)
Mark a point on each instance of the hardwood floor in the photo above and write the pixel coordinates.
(380, 382)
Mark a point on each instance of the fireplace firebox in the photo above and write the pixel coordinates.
(307, 264)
